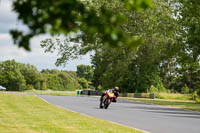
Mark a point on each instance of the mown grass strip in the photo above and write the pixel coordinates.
(29, 114)
(50, 92)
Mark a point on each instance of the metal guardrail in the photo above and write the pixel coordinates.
(138, 95)
(89, 92)
(99, 93)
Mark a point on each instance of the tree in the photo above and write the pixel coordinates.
(83, 82)
(60, 80)
(32, 76)
(189, 18)
(18, 77)
(85, 71)
(132, 69)
(11, 77)
(67, 16)
(136, 71)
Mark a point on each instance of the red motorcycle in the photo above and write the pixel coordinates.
(106, 100)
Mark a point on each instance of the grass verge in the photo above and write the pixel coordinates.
(50, 92)
(174, 96)
(188, 105)
(44, 92)
(29, 114)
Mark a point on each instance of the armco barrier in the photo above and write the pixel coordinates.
(130, 94)
(152, 95)
(79, 92)
(85, 92)
(135, 95)
(91, 92)
(138, 95)
(124, 94)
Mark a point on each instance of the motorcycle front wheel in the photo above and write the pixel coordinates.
(106, 104)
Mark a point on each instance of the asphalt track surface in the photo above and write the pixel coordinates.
(147, 117)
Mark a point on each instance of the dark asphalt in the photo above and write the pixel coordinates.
(148, 117)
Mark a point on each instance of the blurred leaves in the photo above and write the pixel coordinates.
(138, 4)
(66, 16)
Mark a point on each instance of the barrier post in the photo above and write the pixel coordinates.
(152, 95)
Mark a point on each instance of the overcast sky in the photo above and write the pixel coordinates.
(36, 57)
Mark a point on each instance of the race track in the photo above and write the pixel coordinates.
(148, 117)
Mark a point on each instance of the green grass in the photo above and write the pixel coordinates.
(29, 114)
(174, 96)
(50, 92)
(188, 104)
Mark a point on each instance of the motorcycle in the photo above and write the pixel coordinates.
(106, 100)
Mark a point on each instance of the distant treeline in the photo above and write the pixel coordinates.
(18, 77)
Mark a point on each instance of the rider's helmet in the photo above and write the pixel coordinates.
(116, 88)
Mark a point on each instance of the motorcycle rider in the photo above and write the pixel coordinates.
(115, 91)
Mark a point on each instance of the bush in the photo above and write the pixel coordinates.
(30, 87)
(197, 96)
(83, 82)
(169, 91)
(100, 88)
(185, 89)
(157, 82)
(153, 89)
(161, 87)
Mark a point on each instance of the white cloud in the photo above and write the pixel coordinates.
(9, 18)
(6, 14)
(4, 37)
(37, 57)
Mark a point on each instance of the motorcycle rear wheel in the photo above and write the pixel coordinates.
(102, 103)
(100, 106)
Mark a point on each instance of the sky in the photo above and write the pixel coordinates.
(37, 57)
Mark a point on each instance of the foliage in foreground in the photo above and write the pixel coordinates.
(26, 114)
(67, 16)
